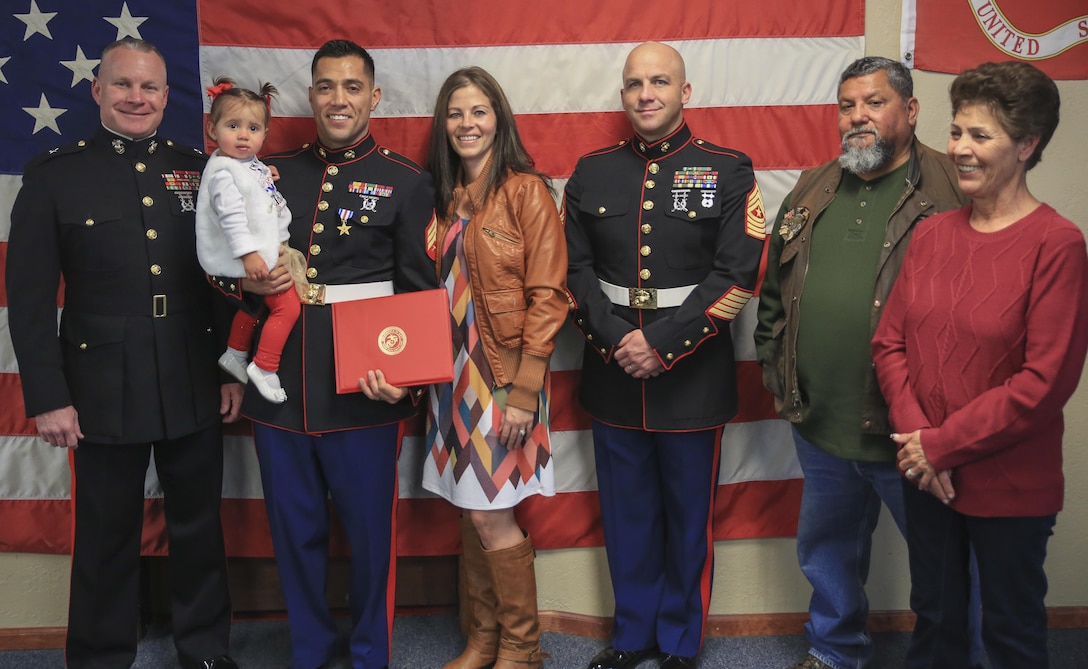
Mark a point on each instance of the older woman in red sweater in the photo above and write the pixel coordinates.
(982, 343)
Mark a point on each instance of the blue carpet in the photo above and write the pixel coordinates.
(429, 641)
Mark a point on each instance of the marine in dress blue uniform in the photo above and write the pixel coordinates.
(136, 359)
(664, 237)
(361, 213)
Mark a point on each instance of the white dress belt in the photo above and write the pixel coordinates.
(645, 298)
(320, 293)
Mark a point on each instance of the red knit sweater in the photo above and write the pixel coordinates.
(982, 343)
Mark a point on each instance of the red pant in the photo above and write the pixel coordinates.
(285, 309)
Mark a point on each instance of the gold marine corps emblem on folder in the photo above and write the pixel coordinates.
(392, 340)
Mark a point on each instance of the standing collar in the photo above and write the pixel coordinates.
(663, 147)
(126, 146)
(344, 154)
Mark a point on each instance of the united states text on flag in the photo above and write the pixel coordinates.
(764, 77)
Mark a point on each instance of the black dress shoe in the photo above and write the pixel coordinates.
(224, 662)
(678, 662)
(610, 658)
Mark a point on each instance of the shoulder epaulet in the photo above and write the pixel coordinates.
(289, 153)
(66, 150)
(395, 157)
(607, 149)
(714, 148)
(185, 150)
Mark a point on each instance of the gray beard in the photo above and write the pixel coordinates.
(865, 159)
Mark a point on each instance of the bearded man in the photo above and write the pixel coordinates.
(838, 274)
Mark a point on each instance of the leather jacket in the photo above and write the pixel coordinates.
(932, 187)
(517, 270)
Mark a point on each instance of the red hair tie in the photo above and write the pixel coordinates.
(214, 91)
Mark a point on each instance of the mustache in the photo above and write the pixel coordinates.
(864, 130)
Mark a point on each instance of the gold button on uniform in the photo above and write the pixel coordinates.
(645, 251)
(326, 186)
(148, 201)
(89, 222)
(669, 356)
(152, 234)
(156, 270)
(83, 346)
(315, 250)
(654, 168)
(589, 337)
(311, 273)
(648, 205)
(644, 274)
(364, 219)
(692, 214)
(687, 343)
(600, 210)
(706, 330)
(322, 205)
(140, 167)
(319, 228)
(333, 170)
(646, 228)
(650, 183)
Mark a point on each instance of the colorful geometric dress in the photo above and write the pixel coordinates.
(466, 462)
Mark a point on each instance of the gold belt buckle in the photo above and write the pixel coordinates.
(158, 306)
(642, 298)
(315, 294)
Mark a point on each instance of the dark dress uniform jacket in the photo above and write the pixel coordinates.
(361, 215)
(679, 212)
(136, 355)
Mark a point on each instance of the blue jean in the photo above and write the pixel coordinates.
(1010, 554)
(840, 507)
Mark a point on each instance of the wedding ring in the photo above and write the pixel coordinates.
(521, 433)
(910, 472)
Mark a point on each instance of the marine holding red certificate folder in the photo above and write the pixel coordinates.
(361, 212)
(501, 255)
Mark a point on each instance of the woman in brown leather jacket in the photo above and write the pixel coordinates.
(500, 252)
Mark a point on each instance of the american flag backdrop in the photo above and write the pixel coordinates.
(764, 77)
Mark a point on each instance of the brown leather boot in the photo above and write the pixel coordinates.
(513, 577)
(477, 604)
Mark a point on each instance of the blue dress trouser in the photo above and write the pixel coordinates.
(657, 499)
(299, 472)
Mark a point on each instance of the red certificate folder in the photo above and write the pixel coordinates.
(406, 336)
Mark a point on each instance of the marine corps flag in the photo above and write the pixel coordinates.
(955, 35)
